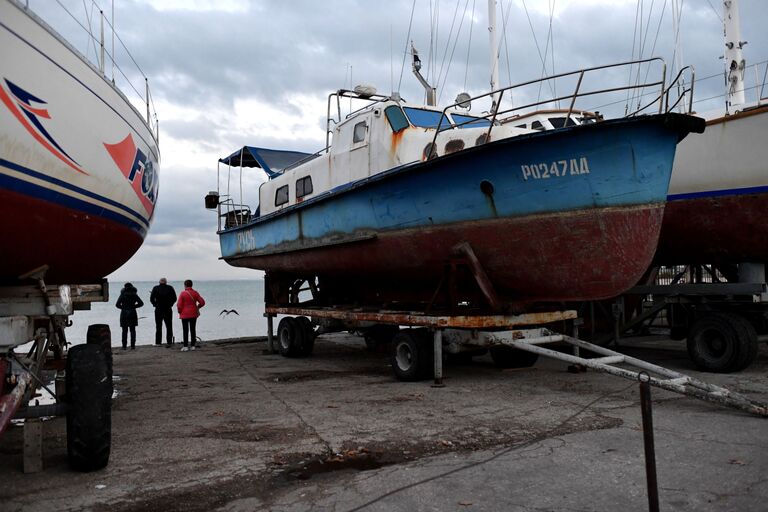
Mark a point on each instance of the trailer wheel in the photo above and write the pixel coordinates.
(308, 335)
(410, 356)
(89, 408)
(508, 357)
(714, 343)
(289, 337)
(746, 351)
(101, 336)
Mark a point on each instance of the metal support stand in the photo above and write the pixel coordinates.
(270, 334)
(33, 446)
(650, 449)
(438, 346)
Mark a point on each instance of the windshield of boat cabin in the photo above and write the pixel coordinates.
(426, 118)
(464, 121)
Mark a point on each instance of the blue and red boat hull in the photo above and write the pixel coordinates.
(572, 214)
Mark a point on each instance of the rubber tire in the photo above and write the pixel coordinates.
(509, 357)
(715, 328)
(748, 343)
(101, 336)
(89, 408)
(308, 335)
(409, 356)
(289, 337)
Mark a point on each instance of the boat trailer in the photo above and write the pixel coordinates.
(514, 341)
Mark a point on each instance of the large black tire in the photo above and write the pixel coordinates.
(748, 343)
(508, 357)
(716, 343)
(101, 336)
(89, 408)
(308, 335)
(290, 337)
(411, 357)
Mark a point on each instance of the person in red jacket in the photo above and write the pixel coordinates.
(188, 306)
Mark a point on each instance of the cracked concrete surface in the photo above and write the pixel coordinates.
(230, 428)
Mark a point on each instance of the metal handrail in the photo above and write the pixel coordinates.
(499, 94)
(689, 91)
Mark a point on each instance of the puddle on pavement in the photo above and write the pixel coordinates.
(359, 461)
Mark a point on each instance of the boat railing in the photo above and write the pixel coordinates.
(101, 50)
(499, 110)
(683, 90)
(232, 214)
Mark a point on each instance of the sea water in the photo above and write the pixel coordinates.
(246, 297)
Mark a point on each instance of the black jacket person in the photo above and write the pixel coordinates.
(163, 297)
(127, 303)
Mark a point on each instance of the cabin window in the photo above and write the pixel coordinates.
(361, 129)
(521, 126)
(536, 125)
(281, 195)
(559, 122)
(303, 186)
(426, 118)
(470, 121)
(396, 118)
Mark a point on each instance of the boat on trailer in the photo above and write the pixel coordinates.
(374, 218)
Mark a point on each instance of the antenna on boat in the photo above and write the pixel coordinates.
(416, 66)
(735, 64)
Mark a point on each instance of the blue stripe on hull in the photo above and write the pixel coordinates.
(46, 194)
(44, 177)
(629, 163)
(718, 193)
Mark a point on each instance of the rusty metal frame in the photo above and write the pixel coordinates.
(419, 319)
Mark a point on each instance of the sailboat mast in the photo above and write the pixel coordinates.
(494, 51)
(734, 59)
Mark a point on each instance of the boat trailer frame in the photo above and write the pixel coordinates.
(523, 332)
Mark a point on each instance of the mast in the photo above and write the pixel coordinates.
(494, 51)
(734, 59)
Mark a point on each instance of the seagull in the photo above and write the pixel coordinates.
(226, 312)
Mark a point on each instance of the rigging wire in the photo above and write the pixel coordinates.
(655, 39)
(715, 11)
(455, 42)
(504, 19)
(533, 32)
(448, 43)
(632, 56)
(469, 46)
(408, 38)
(546, 53)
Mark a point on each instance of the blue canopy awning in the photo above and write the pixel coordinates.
(272, 161)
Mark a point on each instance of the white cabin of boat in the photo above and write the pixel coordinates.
(386, 134)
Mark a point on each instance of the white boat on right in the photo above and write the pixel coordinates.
(718, 194)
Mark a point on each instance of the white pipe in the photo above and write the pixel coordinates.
(734, 59)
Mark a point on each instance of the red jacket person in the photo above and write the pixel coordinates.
(188, 306)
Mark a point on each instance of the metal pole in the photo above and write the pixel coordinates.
(650, 451)
(438, 346)
(270, 336)
(146, 88)
(102, 42)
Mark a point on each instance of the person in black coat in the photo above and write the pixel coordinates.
(127, 303)
(163, 297)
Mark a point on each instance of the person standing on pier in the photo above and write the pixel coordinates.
(163, 297)
(189, 305)
(127, 303)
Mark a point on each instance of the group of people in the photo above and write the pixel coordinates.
(163, 298)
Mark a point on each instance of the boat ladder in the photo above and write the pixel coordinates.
(608, 361)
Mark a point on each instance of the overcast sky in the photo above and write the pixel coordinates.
(225, 73)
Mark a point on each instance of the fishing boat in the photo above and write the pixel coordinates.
(78, 162)
(719, 189)
(567, 214)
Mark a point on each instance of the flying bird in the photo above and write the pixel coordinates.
(226, 312)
